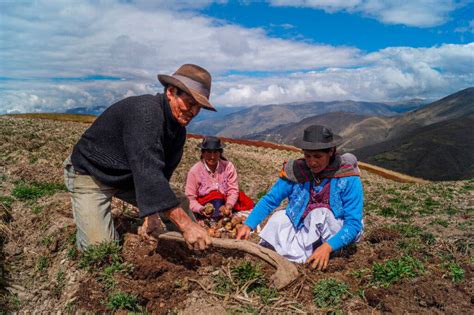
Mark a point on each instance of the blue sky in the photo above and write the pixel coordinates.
(60, 54)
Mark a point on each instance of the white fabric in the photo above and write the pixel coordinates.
(297, 246)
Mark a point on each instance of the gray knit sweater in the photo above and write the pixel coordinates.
(135, 144)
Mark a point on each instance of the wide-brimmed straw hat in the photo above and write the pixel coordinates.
(317, 137)
(211, 143)
(192, 79)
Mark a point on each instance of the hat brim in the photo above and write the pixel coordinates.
(201, 99)
(200, 147)
(306, 145)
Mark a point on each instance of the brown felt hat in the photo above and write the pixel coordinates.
(192, 79)
(317, 137)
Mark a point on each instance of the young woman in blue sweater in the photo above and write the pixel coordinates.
(325, 202)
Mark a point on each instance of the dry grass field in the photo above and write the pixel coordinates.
(415, 257)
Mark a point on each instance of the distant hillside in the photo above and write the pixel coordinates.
(257, 119)
(440, 151)
(363, 130)
(288, 133)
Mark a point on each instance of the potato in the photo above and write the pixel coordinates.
(208, 209)
(212, 232)
(228, 226)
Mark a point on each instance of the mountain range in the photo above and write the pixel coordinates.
(255, 119)
(433, 142)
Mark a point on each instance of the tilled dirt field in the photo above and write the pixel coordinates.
(415, 257)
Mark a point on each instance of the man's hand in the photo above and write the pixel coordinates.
(195, 236)
(320, 257)
(243, 232)
(152, 223)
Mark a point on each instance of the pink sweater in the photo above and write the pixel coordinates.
(201, 181)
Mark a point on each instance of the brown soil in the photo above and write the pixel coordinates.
(165, 275)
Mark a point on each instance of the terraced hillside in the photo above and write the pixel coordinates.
(416, 255)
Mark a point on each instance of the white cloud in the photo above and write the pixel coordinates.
(419, 13)
(43, 42)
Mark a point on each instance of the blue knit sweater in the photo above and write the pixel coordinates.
(346, 202)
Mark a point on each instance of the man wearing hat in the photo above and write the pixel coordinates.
(130, 152)
(325, 202)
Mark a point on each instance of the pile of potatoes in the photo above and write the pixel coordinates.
(226, 226)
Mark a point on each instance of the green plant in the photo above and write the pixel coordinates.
(125, 301)
(42, 263)
(246, 272)
(427, 238)
(107, 275)
(6, 201)
(441, 222)
(329, 293)
(396, 269)
(96, 256)
(59, 285)
(266, 294)
(222, 284)
(32, 191)
(72, 253)
(47, 240)
(456, 272)
(407, 230)
(37, 209)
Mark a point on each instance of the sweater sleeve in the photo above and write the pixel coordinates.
(191, 189)
(280, 190)
(143, 142)
(232, 193)
(352, 202)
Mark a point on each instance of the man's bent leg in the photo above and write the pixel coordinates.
(91, 202)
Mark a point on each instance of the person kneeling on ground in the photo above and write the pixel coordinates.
(212, 185)
(324, 211)
(130, 152)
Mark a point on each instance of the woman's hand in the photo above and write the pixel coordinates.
(226, 210)
(320, 257)
(243, 232)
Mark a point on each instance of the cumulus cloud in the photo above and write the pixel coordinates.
(52, 53)
(392, 73)
(419, 13)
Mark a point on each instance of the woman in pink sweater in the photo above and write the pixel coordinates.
(212, 180)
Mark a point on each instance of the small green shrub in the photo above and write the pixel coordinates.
(123, 301)
(60, 282)
(103, 254)
(37, 209)
(456, 272)
(407, 230)
(396, 269)
(329, 293)
(222, 284)
(72, 253)
(247, 271)
(33, 191)
(441, 222)
(107, 275)
(428, 238)
(266, 294)
(42, 263)
(7, 201)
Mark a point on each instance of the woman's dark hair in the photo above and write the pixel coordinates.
(220, 150)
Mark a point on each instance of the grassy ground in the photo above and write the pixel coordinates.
(417, 244)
